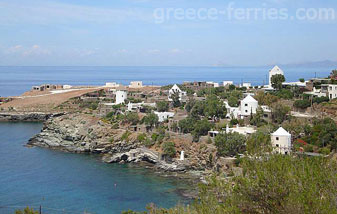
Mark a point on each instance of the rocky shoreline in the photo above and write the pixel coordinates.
(80, 133)
(27, 117)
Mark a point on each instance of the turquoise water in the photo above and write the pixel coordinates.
(73, 182)
(16, 80)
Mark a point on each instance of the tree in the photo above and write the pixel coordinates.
(275, 184)
(259, 143)
(151, 120)
(186, 125)
(257, 119)
(214, 107)
(323, 133)
(162, 106)
(27, 210)
(277, 80)
(169, 149)
(232, 87)
(302, 80)
(233, 101)
(265, 98)
(280, 112)
(302, 104)
(230, 144)
(132, 118)
(189, 105)
(201, 128)
(176, 99)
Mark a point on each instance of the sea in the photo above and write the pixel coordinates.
(76, 183)
(16, 80)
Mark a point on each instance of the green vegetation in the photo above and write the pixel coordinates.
(201, 128)
(169, 149)
(151, 120)
(162, 106)
(176, 99)
(27, 210)
(277, 80)
(266, 98)
(280, 113)
(322, 134)
(131, 118)
(278, 184)
(230, 144)
(212, 107)
(259, 142)
(302, 104)
(257, 119)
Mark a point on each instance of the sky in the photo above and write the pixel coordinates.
(155, 33)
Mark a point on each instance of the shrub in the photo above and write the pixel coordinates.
(230, 144)
(169, 149)
(162, 106)
(302, 104)
(141, 137)
(125, 136)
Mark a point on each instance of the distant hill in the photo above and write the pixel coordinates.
(325, 63)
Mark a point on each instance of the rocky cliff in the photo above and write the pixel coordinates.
(29, 117)
(82, 133)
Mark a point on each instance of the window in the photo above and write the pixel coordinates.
(246, 104)
(277, 138)
(277, 145)
(246, 111)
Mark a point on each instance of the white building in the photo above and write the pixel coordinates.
(139, 106)
(281, 141)
(248, 106)
(121, 96)
(316, 93)
(176, 89)
(164, 115)
(245, 130)
(232, 112)
(215, 84)
(272, 72)
(332, 90)
(227, 83)
(66, 86)
(112, 84)
(136, 84)
(246, 84)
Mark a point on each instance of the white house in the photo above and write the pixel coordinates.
(176, 89)
(121, 96)
(227, 83)
(232, 112)
(215, 84)
(316, 93)
(281, 141)
(246, 84)
(164, 115)
(248, 106)
(272, 72)
(138, 106)
(66, 86)
(246, 130)
(332, 90)
(136, 84)
(112, 84)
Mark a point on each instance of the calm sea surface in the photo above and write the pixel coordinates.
(73, 182)
(16, 80)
